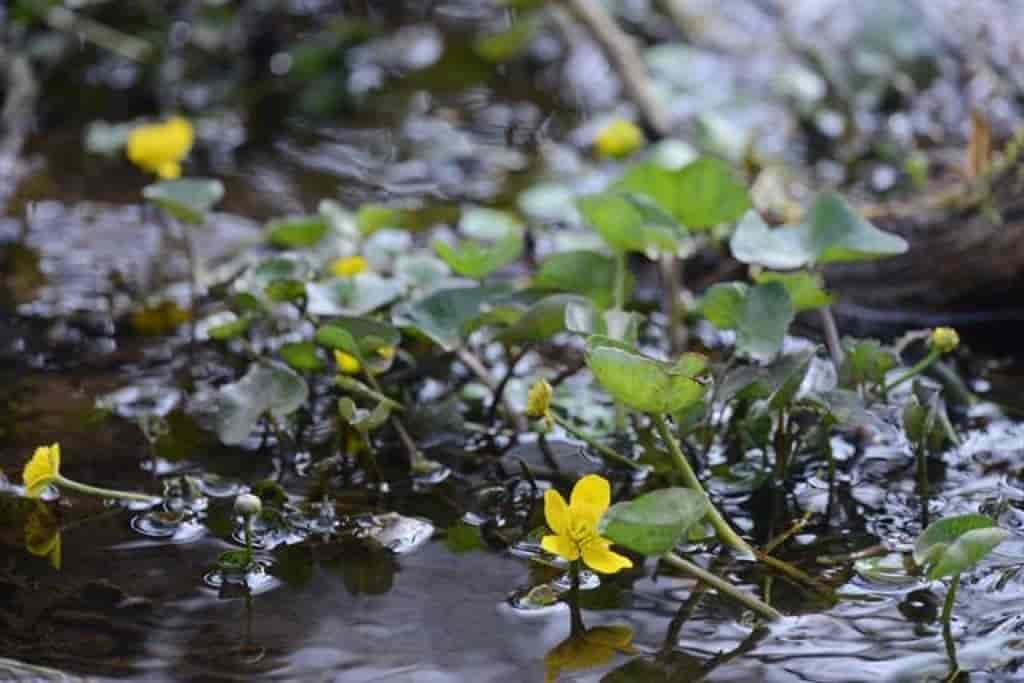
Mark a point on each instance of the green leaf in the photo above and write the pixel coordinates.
(446, 315)
(582, 272)
(353, 296)
(297, 232)
(838, 234)
(645, 384)
(866, 362)
(267, 387)
(187, 199)
(285, 290)
(779, 248)
(806, 290)
(542, 320)
(761, 315)
(624, 225)
(371, 335)
(338, 339)
(953, 545)
(476, 260)
(701, 195)
(302, 356)
(832, 232)
(229, 330)
(655, 523)
(364, 421)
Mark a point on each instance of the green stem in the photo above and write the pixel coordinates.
(671, 267)
(947, 606)
(603, 450)
(922, 482)
(620, 281)
(914, 371)
(357, 387)
(73, 485)
(725, 532)
(248, 540)
(723, 586)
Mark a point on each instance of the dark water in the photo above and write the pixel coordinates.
(134, 596)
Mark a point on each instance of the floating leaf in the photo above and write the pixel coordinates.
(582, 272)
(267, 388)
(645, 384)
(187, 199)
(953, 545)
(296, 232)
(654, 523)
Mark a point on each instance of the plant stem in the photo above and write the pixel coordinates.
(357, 387)
(922, 482)
(670, 268)
(248, 541)
(722, 528)
(603, 450)
(723, 586)
(835, 348)
(576, 615)
(947, 606)
(914, 371)
(73, 485)
(480, 371)
(619, 293)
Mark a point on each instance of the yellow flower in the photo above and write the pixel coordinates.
(349, 266)
(592, 648)
(42, 470)
(944, 339)
(42, 535)
(538, 402)
(618, 139)
(575, 525)
(160, 147)
(347, 363)
(386, 352)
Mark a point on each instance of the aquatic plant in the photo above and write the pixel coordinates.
(43, 470)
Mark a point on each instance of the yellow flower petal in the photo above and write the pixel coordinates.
(42, 535)
(597, 555)
(561, 546)
(538, 399)
(386, 352)
(556, 512)
(41, 470)
(592, 494)
(160, 147)
(347, 363)
(349, 266)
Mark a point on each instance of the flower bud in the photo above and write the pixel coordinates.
(248, 505)
(944, 339)
(618, 139)
(538, 400)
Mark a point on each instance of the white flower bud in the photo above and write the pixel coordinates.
(248, 505)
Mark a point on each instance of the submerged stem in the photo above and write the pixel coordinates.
(723, 586)
(576, 615)
(603, 450)
(722, 528)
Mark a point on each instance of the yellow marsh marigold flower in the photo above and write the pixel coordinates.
(538, 402)
(575, 525)
(944, 339)
(42, 470)
(349, 266)
(618, 139)
(347, 363)
(160, 147)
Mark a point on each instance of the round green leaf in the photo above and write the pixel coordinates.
(296, 232)
(302, 356)
(267, 387)
(655, 523)
(187, 199)
(645, 384)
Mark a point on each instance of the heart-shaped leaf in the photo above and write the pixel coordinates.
(953, 545)
(354, 296)
(806, 290)
(542, 320)
(624, 225)
(187, 199)
(582, 272)
(645, 384)
(655, 523)
(477, 260)
(448, 314)
(761, 315)
(267, 388)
